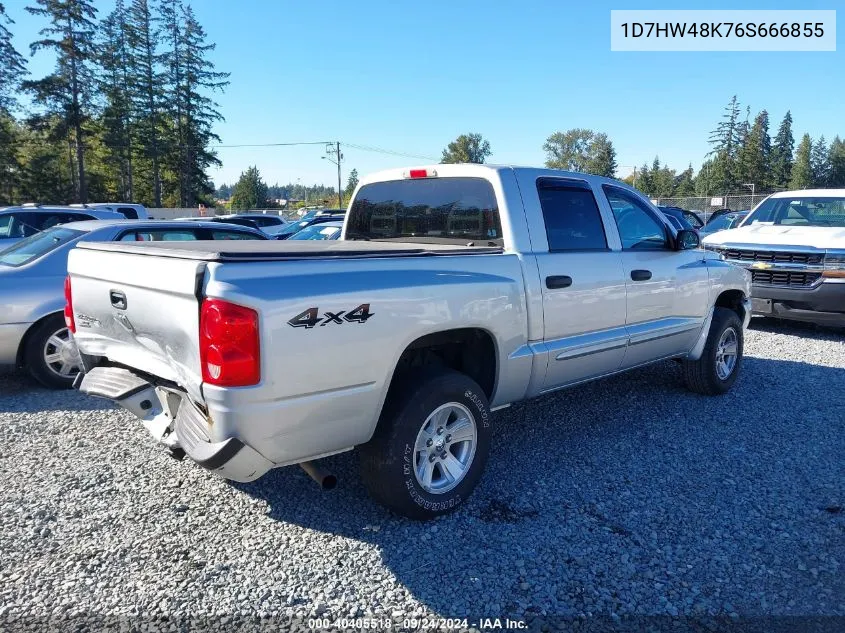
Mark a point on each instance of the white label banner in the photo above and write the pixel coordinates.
(722, 30)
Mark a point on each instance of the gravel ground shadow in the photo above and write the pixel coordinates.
(17, 389)
(628, 495)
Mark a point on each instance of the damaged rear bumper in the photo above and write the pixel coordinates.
(176, 421)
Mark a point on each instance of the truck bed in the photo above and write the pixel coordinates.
(279, 250)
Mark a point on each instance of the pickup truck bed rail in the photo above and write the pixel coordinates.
(247, 250)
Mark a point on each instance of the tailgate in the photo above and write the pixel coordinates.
(138, 310)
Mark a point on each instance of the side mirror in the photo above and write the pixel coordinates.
(687, 240)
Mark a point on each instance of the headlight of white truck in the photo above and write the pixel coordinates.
(834, 265)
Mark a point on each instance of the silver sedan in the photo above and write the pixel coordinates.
(33, 334)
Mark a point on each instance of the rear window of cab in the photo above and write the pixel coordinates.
(427, 210)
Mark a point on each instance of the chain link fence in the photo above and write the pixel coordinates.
(704, 206)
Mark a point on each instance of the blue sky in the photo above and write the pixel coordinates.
(410, 77)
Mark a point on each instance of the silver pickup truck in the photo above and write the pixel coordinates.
(454, 291)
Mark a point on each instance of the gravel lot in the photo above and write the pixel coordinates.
(626, 497)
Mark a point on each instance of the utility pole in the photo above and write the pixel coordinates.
(334, 148)
(339, 190)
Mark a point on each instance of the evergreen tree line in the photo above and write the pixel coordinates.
(290, 191)
(743, 154)
(127, 113)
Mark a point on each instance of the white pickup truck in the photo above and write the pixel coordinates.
(793, 243)
(455, 290)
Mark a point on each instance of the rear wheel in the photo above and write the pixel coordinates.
(430, 446)
(718, 368)
(51, 355)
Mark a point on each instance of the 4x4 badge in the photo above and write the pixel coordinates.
(311, 317)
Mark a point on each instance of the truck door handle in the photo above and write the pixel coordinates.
(640, 275)
(118, 299)
(558, 281)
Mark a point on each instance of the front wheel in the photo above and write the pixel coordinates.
(718, 368)
(430, 446)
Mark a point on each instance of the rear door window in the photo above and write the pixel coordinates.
(128, 212)
(47, 220)
(26, 224)
(571, 215)
(427, 210)
(180, 235)
(6, 223)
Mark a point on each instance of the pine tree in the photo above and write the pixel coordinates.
(114, 61)
(12, 66)
(836, 159)
(684, 183)
(643, 180)
(782, 149)
(351, 182)
(802, 169)
(12, 71)
(744, 130)
(44, 174)
(198, 109)
(820, 163)
(601, 159)
(662, 179)
(704, 180)
(755, 155)
(171, 59)
(249, 192)
(146, 90)
(726, 141)
(67, 92)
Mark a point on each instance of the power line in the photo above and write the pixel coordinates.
(380, 150)
(366, 148)
(213, 145)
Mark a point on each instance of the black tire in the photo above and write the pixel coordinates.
(33, 354)
(387, 460)
(701, 376)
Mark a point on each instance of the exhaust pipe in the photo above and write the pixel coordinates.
(323, 477)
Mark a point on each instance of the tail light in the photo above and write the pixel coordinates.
(421, 173)
(71, 324)
(229, 345)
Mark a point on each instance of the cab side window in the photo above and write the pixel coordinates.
(571, 215)
(638, 226)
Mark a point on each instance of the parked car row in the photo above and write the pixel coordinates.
(309, 219)
(34, 245)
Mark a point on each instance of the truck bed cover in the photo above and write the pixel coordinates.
(273, 250)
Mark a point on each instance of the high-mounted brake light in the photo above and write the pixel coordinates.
(421, 173)
(69, 321)
(229, 345)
